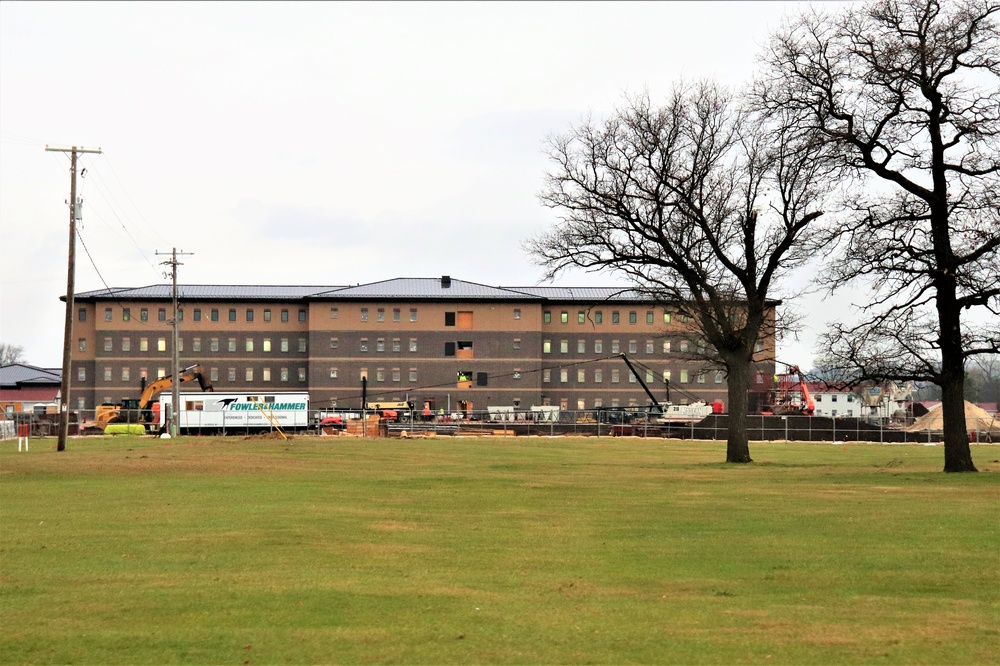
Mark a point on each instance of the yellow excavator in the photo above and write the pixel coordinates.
(141, 410)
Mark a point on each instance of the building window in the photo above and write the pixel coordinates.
(82, 314)
(126, 314)
(599, 317)
(758, 346)
(107, 344)
(107, 374)
(396, 376)
(517, 343)
(81, 374)
(249, 344)
(284, 374)
(563, 375)
(581, 375)
(196, 344)
(581, 346)
(267, 344)
(413, 314)
(395, 345)
(161, 344)
(196, 314)
(249, 314)
(633, 347)
(214, 314)
(143, 344)
(334, 343)
(546, 346)
(598, 346)
(302, 345)
(649, 317)
(718, 377)
(449, 349)
(232, 314)
(363, 374)
(413, 374)
(180, 343)
(631, 378)
(364, 314)
(334, 313)
(564, 317)
(214, 374)
(107, 314)
(380, 314)
(666, 346)
(615, 347)
(833, 398)
(615, 375)
(248, 374)
(380, 345)
(517, 313)
(266, 375)
(213, 344)
(632, 318)
(684, 376)
(581, 317)
(364, 344)
(380, 374)
(232, 344)
(284, 316)
(302, 317)
(267, 314)
(546, 375)
(546, 317)
(449, 318)
(517, 373)
(413, 344)
(666, 317)
(333, 373)
(649, 346)
(82, 344)
(683, 346)
(126, 344)
(700, 378)
(615, 317)
(126, 374)
(598, 376)
(564, 346)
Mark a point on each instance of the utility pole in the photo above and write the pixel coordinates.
(175, 371)
(75, 213)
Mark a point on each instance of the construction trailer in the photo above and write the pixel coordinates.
(209, 413)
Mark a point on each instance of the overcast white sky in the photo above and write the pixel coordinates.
(318, 143)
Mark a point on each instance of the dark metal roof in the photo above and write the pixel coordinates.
(396, 288)
(594, 294)
(429, 288)
(205, 292)
(20, 374)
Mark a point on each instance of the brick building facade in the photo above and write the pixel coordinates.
(454, 344)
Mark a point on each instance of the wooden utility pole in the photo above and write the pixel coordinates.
(175, 371)
(75, 214)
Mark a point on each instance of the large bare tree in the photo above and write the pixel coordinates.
(909, 92)
(698, 204)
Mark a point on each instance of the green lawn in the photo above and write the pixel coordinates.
(532, 550)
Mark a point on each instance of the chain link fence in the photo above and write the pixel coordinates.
(552, 422)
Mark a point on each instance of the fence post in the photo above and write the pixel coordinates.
(23, 431)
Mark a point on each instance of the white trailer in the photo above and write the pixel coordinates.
(240, 412)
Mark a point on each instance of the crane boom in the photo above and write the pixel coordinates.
(657, 407)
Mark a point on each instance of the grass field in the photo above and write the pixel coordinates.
(233, 551)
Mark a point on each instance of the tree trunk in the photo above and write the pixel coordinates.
(737, 444)
(957, 453)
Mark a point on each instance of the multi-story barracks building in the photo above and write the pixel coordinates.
(439, 342)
